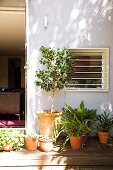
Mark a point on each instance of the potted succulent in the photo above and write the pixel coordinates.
(11, 139)
(105, 123)
(76, 124)
(53, 77)
(31, 141)
(45, 144)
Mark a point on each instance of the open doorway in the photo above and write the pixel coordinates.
(12, 61)
(14, 73)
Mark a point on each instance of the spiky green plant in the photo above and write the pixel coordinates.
(77, 121)
(105, 122)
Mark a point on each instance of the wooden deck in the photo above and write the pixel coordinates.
(93, 156)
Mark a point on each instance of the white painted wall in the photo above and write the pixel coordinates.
(72, 23)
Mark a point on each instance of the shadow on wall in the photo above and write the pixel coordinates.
(71, 23)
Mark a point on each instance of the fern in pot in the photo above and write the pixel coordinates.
(57, 63)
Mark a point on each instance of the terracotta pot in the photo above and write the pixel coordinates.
(46, 146)
(31, 144)
(47, 122)
(76, 142)
(103, 137)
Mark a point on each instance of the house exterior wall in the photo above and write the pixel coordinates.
(74, 24)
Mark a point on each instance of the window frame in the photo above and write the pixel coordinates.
(105, 55)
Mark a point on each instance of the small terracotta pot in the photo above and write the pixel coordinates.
(31, 144)
(46, 146)
(76, 142)
(103, 137)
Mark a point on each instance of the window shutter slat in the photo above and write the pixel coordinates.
(90, 69)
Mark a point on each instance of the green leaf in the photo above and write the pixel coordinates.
(57, 64)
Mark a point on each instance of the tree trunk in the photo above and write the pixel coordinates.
(52, 100)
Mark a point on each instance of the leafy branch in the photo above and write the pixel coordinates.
(57, 64)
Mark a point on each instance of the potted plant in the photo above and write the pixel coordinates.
(105, 123)
(76, 125)
(45, 144)
(11, 139)
(86, 114)
(53, 77)
(31, 141)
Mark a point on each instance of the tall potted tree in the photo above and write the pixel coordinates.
(57, 63)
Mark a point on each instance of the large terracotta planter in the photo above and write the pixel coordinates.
(76, 142)
(103, 137)
(47, 122)
(31, 143)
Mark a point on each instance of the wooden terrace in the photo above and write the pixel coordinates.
(93, 156)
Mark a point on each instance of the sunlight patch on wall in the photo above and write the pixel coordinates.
(104, 3)
(110, 19)
(74, 14)
(93, 1)
(39, 1)
(107, 7)
(96, 11)
(82, 24)
(35, 27)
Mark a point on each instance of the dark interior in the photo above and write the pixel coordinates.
(12, 61)
(12, 99)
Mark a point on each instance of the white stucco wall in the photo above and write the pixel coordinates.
(72, 23)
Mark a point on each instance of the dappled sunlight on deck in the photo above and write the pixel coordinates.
(93, 154)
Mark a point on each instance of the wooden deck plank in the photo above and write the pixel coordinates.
(24, 158)
(90, 156)
(56, 168)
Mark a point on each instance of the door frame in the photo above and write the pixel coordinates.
(25, 15)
